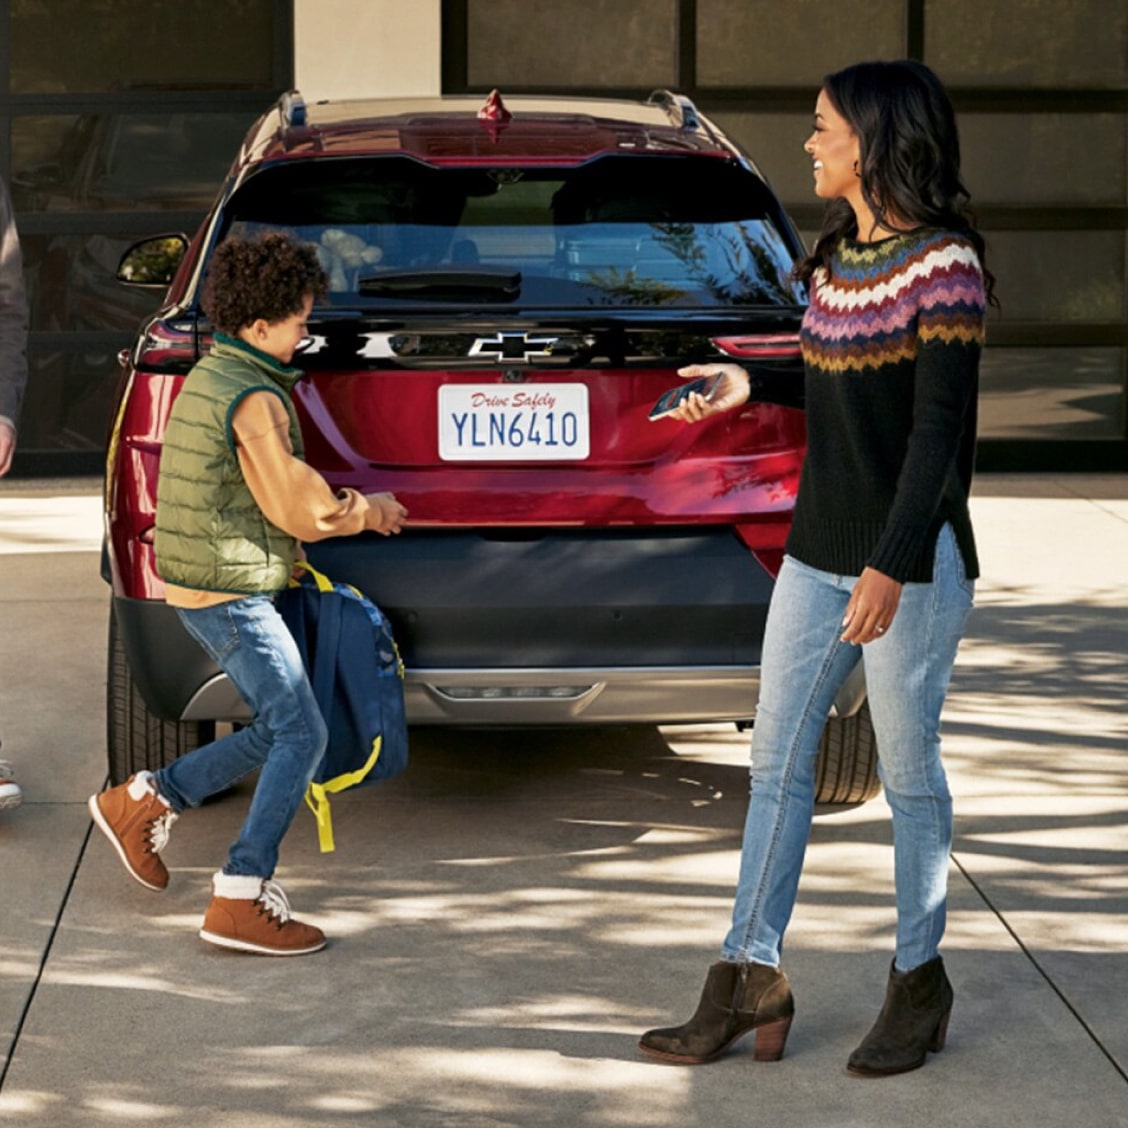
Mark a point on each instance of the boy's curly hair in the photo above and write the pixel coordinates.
(267, 276)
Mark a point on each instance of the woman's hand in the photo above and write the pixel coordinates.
(732, 391)
(386, 514)
(873, 603)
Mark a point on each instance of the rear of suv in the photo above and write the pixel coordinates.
(511, 287)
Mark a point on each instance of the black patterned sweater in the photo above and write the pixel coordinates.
(891, 344)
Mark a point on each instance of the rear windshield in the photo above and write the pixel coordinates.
(618, 231)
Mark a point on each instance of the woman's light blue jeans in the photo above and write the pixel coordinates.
(907, 675)
(287, 737)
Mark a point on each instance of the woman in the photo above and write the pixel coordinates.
(880, 560)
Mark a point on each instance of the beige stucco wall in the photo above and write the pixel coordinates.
(358, 48)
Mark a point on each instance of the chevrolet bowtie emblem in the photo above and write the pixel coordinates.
(513, 348)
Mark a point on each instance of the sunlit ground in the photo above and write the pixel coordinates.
(510, 915)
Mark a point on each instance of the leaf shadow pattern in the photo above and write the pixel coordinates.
(512, 912)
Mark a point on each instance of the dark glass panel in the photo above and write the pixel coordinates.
(1071, 276)
(766, 43)
(1035, 158)
(572, 43)
(1038, 43)
(1052, 393)
(72, 286)
(87, 46)
(69, 398)
(135, 161)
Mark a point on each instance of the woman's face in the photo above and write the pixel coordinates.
(835, 149)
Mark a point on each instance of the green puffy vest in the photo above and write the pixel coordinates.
(210, 533)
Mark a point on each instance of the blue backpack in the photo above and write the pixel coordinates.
(355, 668)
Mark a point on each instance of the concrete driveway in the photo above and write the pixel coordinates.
(508, 916)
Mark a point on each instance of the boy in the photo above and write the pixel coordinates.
(234, 499)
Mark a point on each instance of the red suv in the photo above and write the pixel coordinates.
(512, 286)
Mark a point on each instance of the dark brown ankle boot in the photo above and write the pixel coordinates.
(736, 998)
(913, 1021)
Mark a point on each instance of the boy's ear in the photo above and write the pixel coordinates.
(254, 332)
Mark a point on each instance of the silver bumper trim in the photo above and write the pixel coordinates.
(637, 695)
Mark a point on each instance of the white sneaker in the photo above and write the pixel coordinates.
(10, 793)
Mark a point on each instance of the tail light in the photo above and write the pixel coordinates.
(767, 346)
(168, 346)
(774, 364)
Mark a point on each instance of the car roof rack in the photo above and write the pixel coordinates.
(292, 107)
(679, 108)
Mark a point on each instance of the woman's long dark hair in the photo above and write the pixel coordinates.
(909, 157)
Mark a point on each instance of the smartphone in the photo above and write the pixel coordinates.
(668, 401)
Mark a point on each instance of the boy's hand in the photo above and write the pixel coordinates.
(386, 515)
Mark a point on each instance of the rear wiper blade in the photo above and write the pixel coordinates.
(438, 281)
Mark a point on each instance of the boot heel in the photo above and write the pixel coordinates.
(941, 1035)
(771, 1038)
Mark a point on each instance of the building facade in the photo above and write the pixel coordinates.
(118, 119)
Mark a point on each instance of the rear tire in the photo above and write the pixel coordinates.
(846, 770)
(137, 739)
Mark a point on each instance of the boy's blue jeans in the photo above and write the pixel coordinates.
(907, 676)
(287, 737)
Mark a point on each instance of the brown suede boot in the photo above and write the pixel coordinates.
(136, 820)
(913, 1021)
(736, 998)
(250, 914)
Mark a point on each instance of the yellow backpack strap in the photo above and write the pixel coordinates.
(317, 796)
(323, 582)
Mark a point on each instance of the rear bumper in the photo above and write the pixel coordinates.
(566, 628)
(180, 683)
(195, 689)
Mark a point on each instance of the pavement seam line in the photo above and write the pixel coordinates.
(26, 1010)
(1041, 970)
(1084, 495)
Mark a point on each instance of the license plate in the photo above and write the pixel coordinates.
(514, 423)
